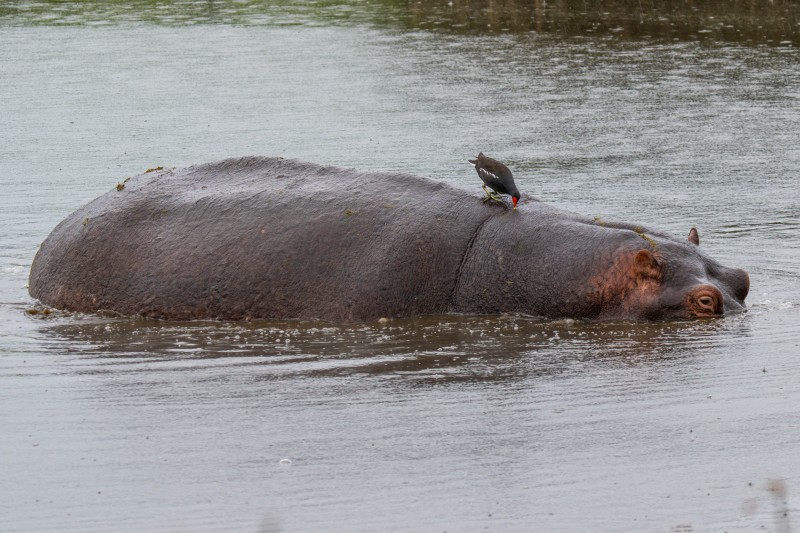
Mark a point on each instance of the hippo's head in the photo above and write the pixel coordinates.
(670, 279)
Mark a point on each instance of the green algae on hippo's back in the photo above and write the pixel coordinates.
(273, 238)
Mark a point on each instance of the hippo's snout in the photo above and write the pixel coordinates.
(741, 285)
(735, 285)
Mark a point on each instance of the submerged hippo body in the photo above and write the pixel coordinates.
(276, 238)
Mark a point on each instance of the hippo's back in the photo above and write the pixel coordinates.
(261, 238)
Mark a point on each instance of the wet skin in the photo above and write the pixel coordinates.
(275, 238)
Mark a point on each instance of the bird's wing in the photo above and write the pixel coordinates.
(489, 178)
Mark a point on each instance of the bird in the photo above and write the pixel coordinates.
(496, 176)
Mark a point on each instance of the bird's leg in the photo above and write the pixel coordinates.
(490, 195)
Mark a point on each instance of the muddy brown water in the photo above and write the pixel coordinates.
(436, 423)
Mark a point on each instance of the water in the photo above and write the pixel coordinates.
(433, 424)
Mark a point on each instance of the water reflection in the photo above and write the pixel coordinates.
(421, 351)
(751, 21)
(754, 21)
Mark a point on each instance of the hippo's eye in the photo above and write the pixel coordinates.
(706, 301)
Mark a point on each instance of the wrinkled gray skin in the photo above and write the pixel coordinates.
(275, 238)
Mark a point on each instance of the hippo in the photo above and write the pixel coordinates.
(274, 238)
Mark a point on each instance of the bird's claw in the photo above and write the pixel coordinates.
(490, 195)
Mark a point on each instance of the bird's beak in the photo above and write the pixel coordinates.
(515, 202)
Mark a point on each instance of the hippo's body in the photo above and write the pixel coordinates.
(275, 238)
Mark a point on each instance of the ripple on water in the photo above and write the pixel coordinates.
(430, 349)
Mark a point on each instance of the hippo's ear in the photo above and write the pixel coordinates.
(694, 237)
(646, 264)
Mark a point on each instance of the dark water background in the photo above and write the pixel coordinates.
(669, 114)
